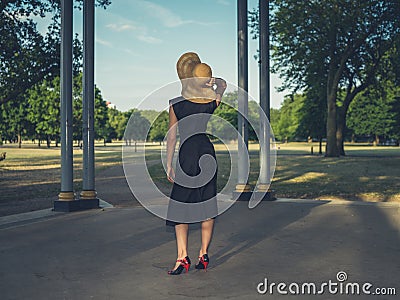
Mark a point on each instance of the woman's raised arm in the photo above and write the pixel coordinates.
(171, 143)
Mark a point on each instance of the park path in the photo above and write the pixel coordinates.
(125, 252)
(112, 187)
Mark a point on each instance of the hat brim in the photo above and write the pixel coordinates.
(194, 92)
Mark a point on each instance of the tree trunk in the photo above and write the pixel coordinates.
(331, 95)
(331, 128)
(48, 141)
(376, 141)
(19, 140)
(320, 146)
(341, 125)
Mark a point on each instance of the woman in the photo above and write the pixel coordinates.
(190, 113)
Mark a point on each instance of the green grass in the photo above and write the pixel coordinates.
(366, 174)
(32, 172)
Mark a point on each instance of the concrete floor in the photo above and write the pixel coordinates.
(124, 253)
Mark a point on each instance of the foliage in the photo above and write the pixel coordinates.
(150, 114)
(335, 43)
(138, 126)
(159, 127)
(117, 123)
(44, 110)
(27, 57)
(37, 116)
(288, 122)
(102, 130)
(374, 112)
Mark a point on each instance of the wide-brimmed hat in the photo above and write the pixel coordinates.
(194, 75)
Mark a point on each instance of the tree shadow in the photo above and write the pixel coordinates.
(251, 228)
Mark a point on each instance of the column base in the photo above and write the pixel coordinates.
(88, 195)
(264, 195)
(66, 206)
(88, 199)
(242, 192)
(258, 195)
(243, 187)
(75, 205)
(66, 196)
(241, 196)
(89, 203)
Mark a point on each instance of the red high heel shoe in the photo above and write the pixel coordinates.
(184, 265)
(203, 262)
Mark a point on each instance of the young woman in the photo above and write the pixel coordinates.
(191, 201)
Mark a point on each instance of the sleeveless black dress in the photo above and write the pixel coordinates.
(194, 143)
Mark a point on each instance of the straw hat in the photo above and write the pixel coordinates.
(194, 75)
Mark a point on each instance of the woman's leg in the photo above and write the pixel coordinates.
(181, 233)
(206, 235)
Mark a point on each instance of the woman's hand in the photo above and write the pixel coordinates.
(211, 83)
(221, 86)
(170, 174)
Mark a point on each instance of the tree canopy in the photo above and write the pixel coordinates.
(26, 55)
(336, 44)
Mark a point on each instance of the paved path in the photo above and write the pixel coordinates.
(124, 253)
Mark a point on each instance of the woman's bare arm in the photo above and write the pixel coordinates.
(171, 143)
(221, 86)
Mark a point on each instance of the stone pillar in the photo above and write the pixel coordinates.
(66, 198)
(265, 164)
(242, 186)
(88, 195)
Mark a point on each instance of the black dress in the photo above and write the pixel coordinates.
(198, 194)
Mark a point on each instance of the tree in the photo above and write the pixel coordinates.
(149, 114)
(100, 111)
(101, 123)
(311, 115)
(117, 122)
(275, 115)
(44, 110)
(373, 112)
(159, 128)
(227, 110)
(139, 127)
(348, 38)
(26, 56)
(395, 132)
(14, 123)
(288, 122)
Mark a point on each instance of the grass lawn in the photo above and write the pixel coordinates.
(32, 175)
(366, 173)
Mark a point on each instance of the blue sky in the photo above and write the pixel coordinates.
(138, 43)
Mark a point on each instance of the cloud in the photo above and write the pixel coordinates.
(166, 16)
(224, 2)
(122, 27)
(149, 39)
(103, 42)
(129, 51)
(140, 32)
